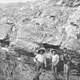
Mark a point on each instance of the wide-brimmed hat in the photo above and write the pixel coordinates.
(51, 50)
(41, 50)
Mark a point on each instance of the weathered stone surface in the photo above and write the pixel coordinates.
(42, 21)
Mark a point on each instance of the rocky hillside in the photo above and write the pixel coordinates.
(27, 24)
(45, 21)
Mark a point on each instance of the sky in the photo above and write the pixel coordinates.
(13, 1)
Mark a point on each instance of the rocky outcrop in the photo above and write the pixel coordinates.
(42, 21)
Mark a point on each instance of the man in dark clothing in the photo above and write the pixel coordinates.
(67, 60)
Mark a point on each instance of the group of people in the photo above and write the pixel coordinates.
(41, 57)
(44, 58)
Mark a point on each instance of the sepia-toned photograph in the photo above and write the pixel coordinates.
(39, 39)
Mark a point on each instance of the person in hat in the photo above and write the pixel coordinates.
(39, 55)
(55, 61)
(39, 60)
(55, 57)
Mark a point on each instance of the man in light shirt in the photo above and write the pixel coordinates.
(55, 61)
(55, 58)
(39, 57)
(39, 60)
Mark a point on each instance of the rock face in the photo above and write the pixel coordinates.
(44, 21)
(28, 24)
